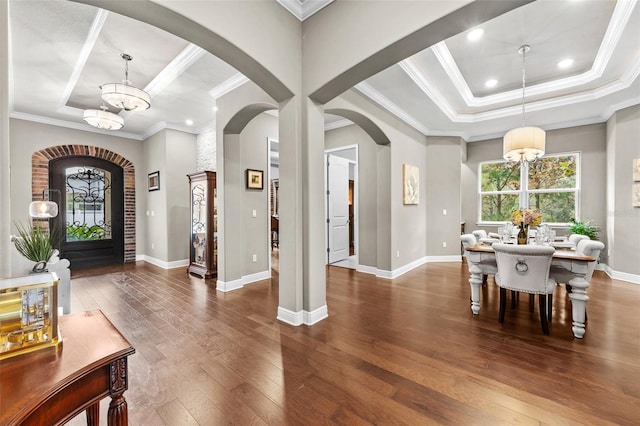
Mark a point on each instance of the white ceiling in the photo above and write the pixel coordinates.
(67, 50)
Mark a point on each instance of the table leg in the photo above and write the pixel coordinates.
(118, 412)
(579, 301)
(93, 414)
(476, 284)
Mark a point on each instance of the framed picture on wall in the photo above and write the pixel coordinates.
(254, 179)
(636, 194)
(154, 181)
(636, 169)
(410, 184)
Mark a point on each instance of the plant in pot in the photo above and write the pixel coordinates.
(583, 227)
(34, 243)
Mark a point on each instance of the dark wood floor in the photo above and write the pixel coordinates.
(403, 351)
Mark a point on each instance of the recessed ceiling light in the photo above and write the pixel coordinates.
(565, 63)
(491, 83)
(189, 122)
(474, 35)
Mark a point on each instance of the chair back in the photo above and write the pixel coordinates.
(591, 248)
(524, 268)
(479, 233)
(576, 238)
(468, 240)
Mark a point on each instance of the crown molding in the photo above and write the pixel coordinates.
(228, 85)
(394, 109)
(302, 9)
(619, 19)
(337, 124)
(72, 125)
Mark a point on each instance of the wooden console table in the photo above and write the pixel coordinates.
(51, 386)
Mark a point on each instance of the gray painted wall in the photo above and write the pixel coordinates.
(624, 130)
(155, 219)
(443, 192)
(254, 155)
(28, 137)
(367, 187)
(589, 141)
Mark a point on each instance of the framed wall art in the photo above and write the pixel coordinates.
(410, 184)
(154, 181)
(636, 169)
(255, 179)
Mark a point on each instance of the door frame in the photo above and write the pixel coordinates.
(270, 141)
(356, 209)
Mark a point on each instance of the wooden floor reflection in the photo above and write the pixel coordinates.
(403, 351)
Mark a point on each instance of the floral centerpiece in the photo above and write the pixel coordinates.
(526, 217)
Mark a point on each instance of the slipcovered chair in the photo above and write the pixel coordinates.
(525, 268)
(576, 238)
(488, 267)
(585, 247)
(479, 233)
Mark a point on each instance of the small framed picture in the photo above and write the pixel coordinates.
(636, 169)
(154, 181)
(254, 179)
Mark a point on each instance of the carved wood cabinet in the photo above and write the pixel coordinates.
(203, 245)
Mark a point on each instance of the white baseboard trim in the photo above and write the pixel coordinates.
(302, 317)
(246, 279)
(161, 263)
(290, 317)
(258, 276)
(367, 269)
(622, 276)
(315, 316)
(229, 285)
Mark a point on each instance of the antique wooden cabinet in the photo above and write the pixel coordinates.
(203, 258)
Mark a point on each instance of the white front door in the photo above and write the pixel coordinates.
(338, 207)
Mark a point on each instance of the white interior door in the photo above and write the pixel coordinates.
(338, 207)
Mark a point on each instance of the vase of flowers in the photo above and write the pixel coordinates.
(525, 218)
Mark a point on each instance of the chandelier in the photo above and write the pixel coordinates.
(103, 119)
(524, 143)
(124, 95)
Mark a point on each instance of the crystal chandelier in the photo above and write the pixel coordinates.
(524, 143)
(124, 95)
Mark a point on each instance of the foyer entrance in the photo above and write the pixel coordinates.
(89, 229)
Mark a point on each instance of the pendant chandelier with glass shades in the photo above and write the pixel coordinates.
(119, 95)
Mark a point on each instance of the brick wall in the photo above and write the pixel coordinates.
(40, 182)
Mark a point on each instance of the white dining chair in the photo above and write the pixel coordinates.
(525, 268)
(576, 238)
(585, 247)
(479, 233)
(488, 267)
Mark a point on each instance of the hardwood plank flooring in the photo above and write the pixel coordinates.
(403, 351)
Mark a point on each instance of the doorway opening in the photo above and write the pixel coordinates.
(341, 187)
(274, 202)
(89, 231)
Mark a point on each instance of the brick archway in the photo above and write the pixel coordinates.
(40, 182)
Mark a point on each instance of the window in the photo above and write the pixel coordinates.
(549, 184)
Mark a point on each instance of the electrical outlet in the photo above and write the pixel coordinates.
(255, 258)
(444, 244)
(444, 212)
(397, 253)
(153, 246)
(254, 214)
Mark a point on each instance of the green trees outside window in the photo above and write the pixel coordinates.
(549, 184)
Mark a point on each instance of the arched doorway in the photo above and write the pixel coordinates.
(40, 182)
(89, 229)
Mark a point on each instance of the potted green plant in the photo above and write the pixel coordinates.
(583, 227)
(35, 244)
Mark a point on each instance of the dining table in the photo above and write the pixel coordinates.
(569, 259)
